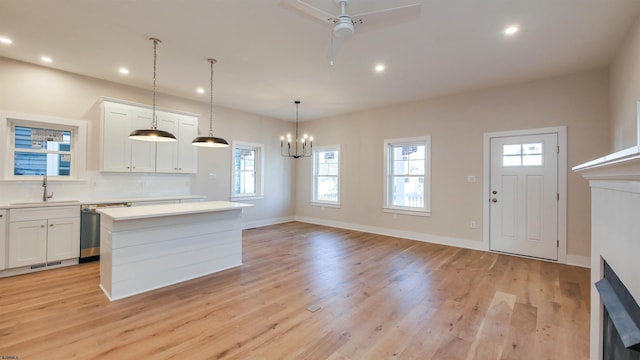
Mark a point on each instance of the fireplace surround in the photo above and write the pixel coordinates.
(615, 231)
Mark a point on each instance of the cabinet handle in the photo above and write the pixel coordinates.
(51, 225)
(42, 226)
(1, 215)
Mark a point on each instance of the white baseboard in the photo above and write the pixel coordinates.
(577, 260)
(582, 261)
(436, 239)
(266, 222)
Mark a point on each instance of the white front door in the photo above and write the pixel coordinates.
(524, 195)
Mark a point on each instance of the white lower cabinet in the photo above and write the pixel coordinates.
(43, 235)
(3, 237)
(27, 243)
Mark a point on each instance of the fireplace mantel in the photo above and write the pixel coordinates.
(615, 225)
(622, 165)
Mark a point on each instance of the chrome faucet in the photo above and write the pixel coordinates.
(45, 196)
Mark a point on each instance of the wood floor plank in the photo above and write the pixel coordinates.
(380, 297)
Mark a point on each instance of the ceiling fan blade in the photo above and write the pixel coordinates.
(312, 11)
(336, 43)
(387, 17)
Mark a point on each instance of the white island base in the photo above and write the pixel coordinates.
(149, 247)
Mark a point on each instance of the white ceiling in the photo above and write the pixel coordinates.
(270, 54)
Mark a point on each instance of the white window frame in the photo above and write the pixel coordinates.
(388, 183)
(78, 129)
(316, 151)
(259, 149)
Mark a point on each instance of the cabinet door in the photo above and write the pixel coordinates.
(27, 243)
(3, 244)
(143, 153)
(167, 152)
(116, 146)
(187, 153)
(63, 239)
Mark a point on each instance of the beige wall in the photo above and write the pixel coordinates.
(39, 90)
(457, 125)
(625, 91)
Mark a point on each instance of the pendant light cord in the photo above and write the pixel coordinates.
(297, 105)
(154, 123)
(212, 61)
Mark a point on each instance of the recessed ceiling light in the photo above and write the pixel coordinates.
(123, 71)
(46, 59)
(200, 90)
(511, 30)
(6, 40)
(379, 68)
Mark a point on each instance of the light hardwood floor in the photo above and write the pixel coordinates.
(380, 298)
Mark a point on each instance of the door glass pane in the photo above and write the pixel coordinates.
(511, 160)
(512, 149)
(530, 149)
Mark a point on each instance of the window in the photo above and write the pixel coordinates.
(522, 155)
(326, 176)
(40, 145)
(247, 171)
(408, 178)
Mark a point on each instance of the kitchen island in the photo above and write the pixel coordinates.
(149, 247)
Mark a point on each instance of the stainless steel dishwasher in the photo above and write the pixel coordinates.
(90, 229)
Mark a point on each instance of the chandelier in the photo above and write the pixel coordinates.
(303, 142)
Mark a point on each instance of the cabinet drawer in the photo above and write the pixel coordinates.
(53, 212)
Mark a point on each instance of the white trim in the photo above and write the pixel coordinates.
(426, 210)
(316, 150)
(406, 212)
(78, 146)
(325, 205)
(259, 171)
(246, 197)
(577, 260)
(410, 235)
(266, 222)
(561, 131)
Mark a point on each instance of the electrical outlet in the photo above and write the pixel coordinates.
(212, 176)
(472, 224)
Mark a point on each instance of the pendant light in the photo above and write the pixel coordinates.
(153, 134)
(210, 141)
(296, 155)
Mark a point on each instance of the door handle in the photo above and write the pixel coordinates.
(494, 200)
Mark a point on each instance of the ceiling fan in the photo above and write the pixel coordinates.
(344, 24)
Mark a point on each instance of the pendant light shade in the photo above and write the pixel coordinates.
(153, 134)
(210, 141)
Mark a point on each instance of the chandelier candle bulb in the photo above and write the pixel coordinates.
(296, 154)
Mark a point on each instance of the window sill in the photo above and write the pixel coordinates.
(327, 205)
(247, 197)
(407, 212)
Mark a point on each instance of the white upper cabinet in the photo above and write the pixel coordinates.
(121, 154)
(179, 156)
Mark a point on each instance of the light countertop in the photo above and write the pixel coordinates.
(28, 204)
(150, 211)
